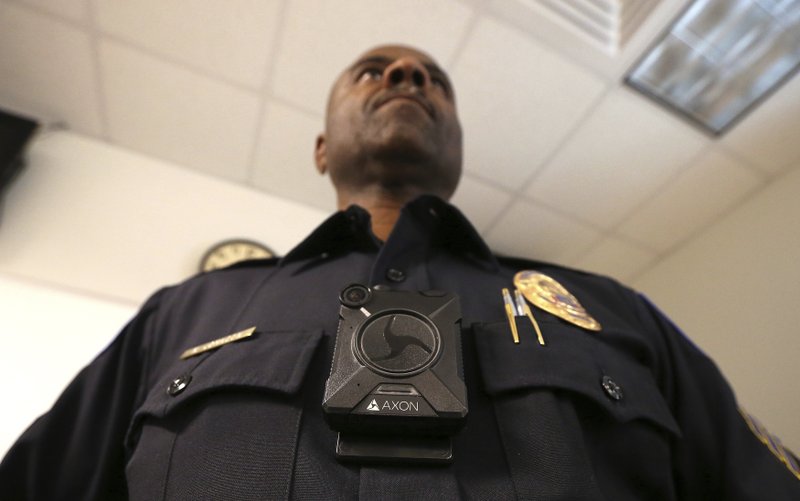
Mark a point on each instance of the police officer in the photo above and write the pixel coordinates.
(213, 390)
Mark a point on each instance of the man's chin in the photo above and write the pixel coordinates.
(406, 140)
(407, 150)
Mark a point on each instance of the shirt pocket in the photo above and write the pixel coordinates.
(582, 409)
(222, 424)
(574, 362)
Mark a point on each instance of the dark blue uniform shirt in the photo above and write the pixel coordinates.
(244, 421)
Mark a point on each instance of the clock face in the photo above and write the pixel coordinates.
(233, 251)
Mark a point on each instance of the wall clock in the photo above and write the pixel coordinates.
(232, 251)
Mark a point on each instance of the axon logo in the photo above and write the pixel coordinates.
(393, 405)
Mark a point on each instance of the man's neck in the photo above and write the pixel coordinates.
(384, 210)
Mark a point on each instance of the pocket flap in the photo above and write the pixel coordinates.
(575, 361)
(273, 361)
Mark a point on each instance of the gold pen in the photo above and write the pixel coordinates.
(510, 310)
(522, 305)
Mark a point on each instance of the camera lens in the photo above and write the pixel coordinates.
(355, 295)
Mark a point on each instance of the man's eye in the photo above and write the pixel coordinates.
(370, 74)
(441, 83)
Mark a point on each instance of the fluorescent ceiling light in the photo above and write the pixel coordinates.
(721, 57)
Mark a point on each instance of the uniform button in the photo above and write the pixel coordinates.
(612, 389)
(395, 275)
(178, 385)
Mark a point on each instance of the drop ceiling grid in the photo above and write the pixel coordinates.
(499, 96)
(265, 94)
(506, 215)
(498, 227)
(284, 163)
(231, 40)
(763, 143)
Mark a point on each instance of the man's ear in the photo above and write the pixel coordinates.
(321, 155)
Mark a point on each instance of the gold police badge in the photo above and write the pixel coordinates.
(549, 295)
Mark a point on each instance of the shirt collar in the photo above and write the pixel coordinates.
(350, 230)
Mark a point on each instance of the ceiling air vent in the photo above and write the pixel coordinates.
(606, 24)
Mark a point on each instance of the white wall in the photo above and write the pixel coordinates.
(101, 219)
(47, 336)
(87, 232)
(735, 290)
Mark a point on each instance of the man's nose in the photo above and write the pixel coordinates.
(406, 71)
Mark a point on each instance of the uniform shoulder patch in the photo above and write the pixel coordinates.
(772, 442)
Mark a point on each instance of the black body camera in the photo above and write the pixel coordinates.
(396, 390)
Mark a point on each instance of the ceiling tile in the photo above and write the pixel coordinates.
(480, 202)
(768, 135)
(707, 189)
(173, 114)
(615, 258)
(231, 39)
(284, 162)
(626, 149)
(47, 69)
(70, 9)
(517, 101)
(533, 231)
(322, 37)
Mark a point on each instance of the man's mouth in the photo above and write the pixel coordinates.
(405, 96)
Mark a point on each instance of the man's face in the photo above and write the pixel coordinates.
(392, 121)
